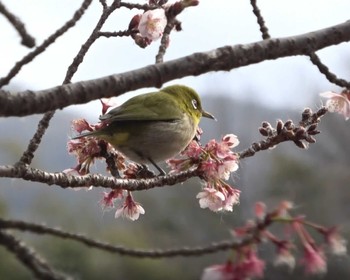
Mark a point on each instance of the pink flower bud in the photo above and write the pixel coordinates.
(152, 24)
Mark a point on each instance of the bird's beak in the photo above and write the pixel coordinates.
(208, 115)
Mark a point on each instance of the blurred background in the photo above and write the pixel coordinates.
(316, 180)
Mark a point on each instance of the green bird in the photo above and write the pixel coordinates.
(153, 127)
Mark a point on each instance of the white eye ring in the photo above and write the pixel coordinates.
(194, 104)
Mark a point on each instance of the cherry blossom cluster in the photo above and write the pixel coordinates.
(150, 25)
(215, 161)
(338, 102)
(88, 149)
(245, 263)
(127, 206)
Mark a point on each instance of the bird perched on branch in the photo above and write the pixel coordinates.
(153, 127)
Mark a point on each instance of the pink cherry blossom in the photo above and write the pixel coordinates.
(107, 202)
(152, 24)
(223, 148)
(284, 256)
(284, 207)
(225, 168)
(129, 209)
(211, 198)
(314, 260)
(81, 125)
(218, 200)
(260, 210)
(108, 103)
(219, 272)
(251, 266)
(230, 140)
(210, 168)
(193, 150)
(231, 198)
(85, 149)
(336, 243)
(178, 165)
(338, 103)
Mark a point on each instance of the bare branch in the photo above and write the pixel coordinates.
(313, 57)
(328, 74)
(151, 253)
(263, 28)
(165, 39)
(221, 59)
(33, 145)
(92, 38)
(28, 257)
(27, 39)
(45, 121)
(144, 7)
(51, 39)
(116, 33)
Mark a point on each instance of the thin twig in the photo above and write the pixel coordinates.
(27, 256)
(51, 39)
(27, 39)
(263, 28)
(116, 33)
(327, 73)
(78, 59)
(301, 135)
(34, 143)
(165, 40)
(152, 253)
(331, 77)
(144, 7)
(104, 4)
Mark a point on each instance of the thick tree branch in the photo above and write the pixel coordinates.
(221, 59)
(62, 179)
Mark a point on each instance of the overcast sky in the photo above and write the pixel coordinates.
(285, 82)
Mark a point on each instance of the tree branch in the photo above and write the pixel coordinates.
(27, 39)
(50, 40)
(214, 247)
(34, 143)
(29, 258)
(62, 179)
(221, 59)
(263, 28)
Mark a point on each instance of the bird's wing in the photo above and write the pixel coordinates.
(157, 106)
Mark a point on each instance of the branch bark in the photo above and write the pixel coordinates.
(221, 59)
(38, 266)
(63, 180)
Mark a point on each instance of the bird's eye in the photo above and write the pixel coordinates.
(194, 104)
